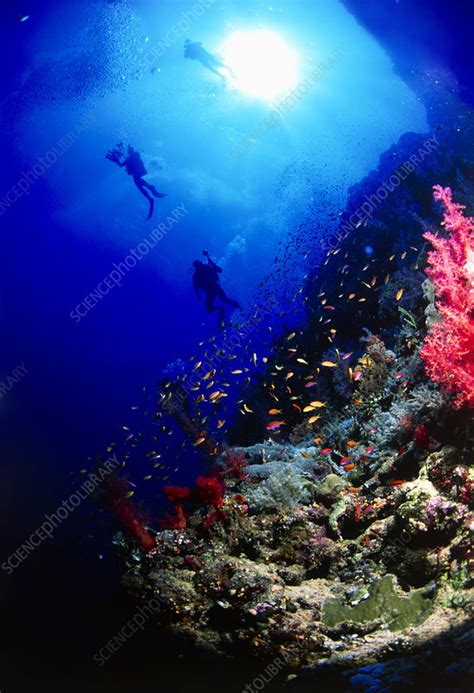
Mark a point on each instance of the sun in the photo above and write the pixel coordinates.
(262, 64)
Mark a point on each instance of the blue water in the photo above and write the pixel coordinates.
(250, 199)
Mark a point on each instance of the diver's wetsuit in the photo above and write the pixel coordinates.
(135, 167)
(196, 51)
(206, 278)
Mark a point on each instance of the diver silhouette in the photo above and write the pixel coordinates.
(196, 51)
(206, 279)
(135, 167)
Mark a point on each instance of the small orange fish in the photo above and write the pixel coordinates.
(318, 441)
(329, 364)
(352, 444)
(397, 482)
(273, 425)
(357, 512)
(399, 294)
(306, 455)
(326, 451)
(348, 467)
(274, 411)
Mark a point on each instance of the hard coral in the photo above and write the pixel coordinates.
(448, 350)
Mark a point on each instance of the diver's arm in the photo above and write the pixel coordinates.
(115, 160)
(196, 290)
(212, 264)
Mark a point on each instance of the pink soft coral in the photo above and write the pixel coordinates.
(448, 350)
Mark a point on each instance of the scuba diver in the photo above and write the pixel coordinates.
(135, 167)
(206, 279)
(196, 51)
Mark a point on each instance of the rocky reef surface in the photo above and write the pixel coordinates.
(311, 562)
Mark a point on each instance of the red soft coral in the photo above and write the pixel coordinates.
(176, 493)
(209, 490)
(178, 519)
(235, 464)
(448, 350)
(421, 437)
(126, 512)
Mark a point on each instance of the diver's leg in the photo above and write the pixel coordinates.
(229, 70)
(153, 189)
(139, 182)
(208, 64)
(210, 298)
(152, 206)
(229, 301)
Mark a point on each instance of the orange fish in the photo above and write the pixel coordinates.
(352, 444)
(348, 467)
(273, 425)
(397, 482)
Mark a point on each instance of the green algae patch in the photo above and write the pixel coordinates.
(383, 602)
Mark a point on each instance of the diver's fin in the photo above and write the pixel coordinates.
(155, 192)
(150, 213)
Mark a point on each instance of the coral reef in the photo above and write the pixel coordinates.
(339, 537)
